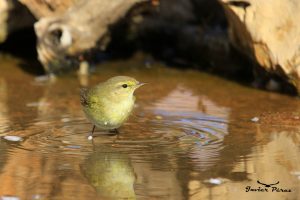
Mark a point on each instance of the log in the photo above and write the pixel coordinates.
(82, 27)
(4, 9)
(13, 17)
(268, 33)
(47, 8)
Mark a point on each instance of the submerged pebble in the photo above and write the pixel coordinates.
(13, 138)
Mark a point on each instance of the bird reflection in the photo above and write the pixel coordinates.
(111, 174)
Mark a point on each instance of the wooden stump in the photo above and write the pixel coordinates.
(267, 32)
(13, 16)
(47, 8)
(4, 9)
(82, 27)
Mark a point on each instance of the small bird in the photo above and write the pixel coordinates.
(108, 104)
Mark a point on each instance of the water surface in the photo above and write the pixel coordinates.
(190, 137)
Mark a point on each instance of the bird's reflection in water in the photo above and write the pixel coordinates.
(111, 174)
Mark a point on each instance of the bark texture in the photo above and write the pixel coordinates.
(267, 32)
(13, 16)
(82, 27)
(48, 8)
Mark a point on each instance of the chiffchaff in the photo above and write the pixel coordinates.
(108, 104)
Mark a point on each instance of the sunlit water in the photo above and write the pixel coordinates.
(190, 137)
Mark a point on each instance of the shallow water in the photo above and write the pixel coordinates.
(190, 137)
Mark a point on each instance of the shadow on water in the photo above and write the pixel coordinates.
(190, 137)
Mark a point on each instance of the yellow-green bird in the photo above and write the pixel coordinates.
(108, 104)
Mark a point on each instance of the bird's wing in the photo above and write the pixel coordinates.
(84, 97)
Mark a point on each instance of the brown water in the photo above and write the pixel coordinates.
(190, 137)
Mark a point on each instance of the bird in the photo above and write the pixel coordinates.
(108, 104)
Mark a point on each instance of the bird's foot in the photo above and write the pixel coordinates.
(90, 135)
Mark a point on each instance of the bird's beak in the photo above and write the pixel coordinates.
(140, 84)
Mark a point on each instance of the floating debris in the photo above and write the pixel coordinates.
(13, 138)
(214, 181)
(255, 119)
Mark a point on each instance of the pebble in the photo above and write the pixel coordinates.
(255, 119)
(9, 198)
(214, 181)
(90, 137)
(13, 138)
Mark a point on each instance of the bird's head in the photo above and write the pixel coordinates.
(123, 86)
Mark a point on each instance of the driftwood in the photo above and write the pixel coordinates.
(267, 32)
(47, 8)
(184, 32)
(187, 32)
(13, 16)
(82, 27)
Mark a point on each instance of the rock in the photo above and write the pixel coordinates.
(268, 33)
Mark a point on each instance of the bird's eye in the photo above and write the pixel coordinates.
(124, 85)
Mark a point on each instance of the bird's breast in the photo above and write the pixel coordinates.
(111, 114)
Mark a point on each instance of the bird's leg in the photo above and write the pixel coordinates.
(90, 136)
